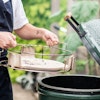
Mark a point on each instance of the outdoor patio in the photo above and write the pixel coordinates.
(22, 94)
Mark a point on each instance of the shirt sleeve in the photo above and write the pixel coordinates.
(19, 16)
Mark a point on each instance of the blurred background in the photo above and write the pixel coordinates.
(50, 14)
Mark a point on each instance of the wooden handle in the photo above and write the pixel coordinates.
(69, 15)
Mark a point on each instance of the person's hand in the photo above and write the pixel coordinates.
(50, 38)
(7, 40)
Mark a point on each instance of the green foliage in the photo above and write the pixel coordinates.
(80, 65)
(71, 43)
(37, 11)
(58, 17)
(14, 74)
(85, 10)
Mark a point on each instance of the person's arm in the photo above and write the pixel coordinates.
(30, 32)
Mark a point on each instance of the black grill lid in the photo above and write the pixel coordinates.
(89, 33)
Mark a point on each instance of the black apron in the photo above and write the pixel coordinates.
(6, 24)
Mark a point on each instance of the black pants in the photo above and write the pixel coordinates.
(5, 85)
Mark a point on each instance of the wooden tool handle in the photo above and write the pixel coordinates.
(68, 16)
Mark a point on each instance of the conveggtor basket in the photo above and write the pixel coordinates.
(27, 61)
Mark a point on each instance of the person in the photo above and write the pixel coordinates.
(13, 18)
